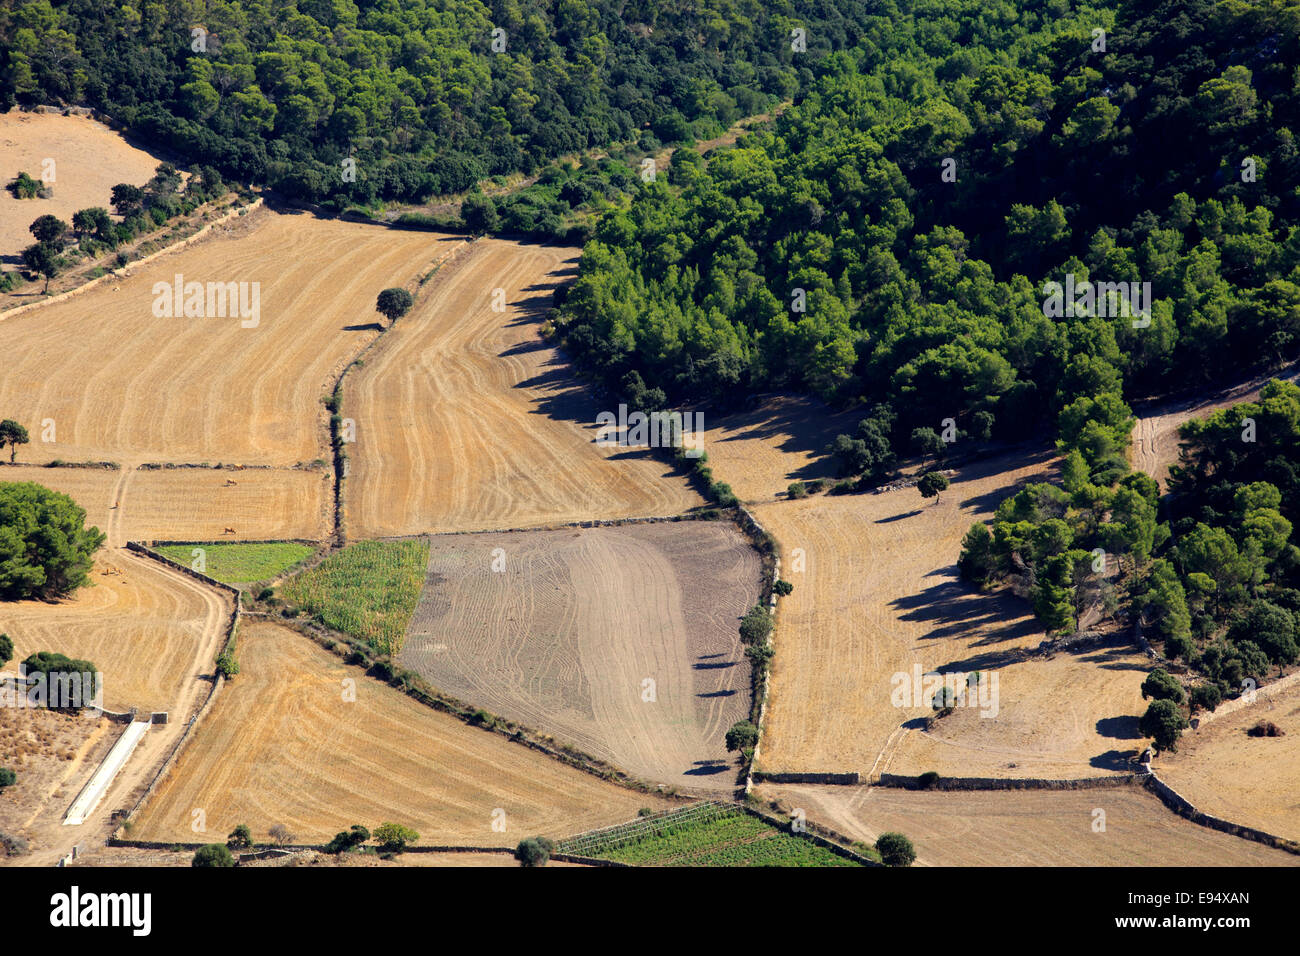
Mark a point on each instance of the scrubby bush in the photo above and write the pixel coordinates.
(534, 851)
(213, 855)
(895, 850)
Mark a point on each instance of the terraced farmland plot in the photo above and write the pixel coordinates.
(467, 421)
(621, 641)
(122, 384)
(283, 745)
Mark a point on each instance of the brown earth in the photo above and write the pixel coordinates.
(120, 384)
(1027, 827)
(281, 745)
(89, 160)
(1227, 773)
(466, 420)
(565, 636)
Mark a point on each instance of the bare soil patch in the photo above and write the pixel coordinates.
(581, 626)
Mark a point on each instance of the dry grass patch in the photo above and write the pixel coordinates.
(566, 635)
(282, 745)
(139, 624)
(1028, 827)
(1227, 773)
(466, 420)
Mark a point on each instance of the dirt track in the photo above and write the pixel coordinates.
(565, 636)
(466, 420)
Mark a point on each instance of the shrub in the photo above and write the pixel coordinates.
(280, 834)
(227, 665)
(1164, 723)
(394, 303)
(797, 489)
(12, 845)
(783, 588)
(756, 625)
(1266, 728)
(742, 735)
(1161, 685)
(241, 836)
(1205, 697)
(895, 850)
(928, 780)
(6, 649)
(213, 855)
(7, 777)
(346, 840)
(393, 837)
(534, 851)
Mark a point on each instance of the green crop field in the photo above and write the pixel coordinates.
(239, 563)
(368, 590)
(702, 835)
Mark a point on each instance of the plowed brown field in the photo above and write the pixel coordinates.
(466, 420)
(1028, 827)
(565, 636)
(281, 745)
(120, 384)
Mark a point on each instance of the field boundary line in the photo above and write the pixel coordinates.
(1180, 805)
(120, 271)
(768, 547)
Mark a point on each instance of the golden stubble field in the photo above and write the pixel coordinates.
(466, 420)
(89, 159)
(142, 625)
(193, 504)
(876, 594)
(1227, 773)
(1027, 827)
(622, 641)
(116, 382)
(282, 745)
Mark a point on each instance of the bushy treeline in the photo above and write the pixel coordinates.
(831, 255)
(425, 97)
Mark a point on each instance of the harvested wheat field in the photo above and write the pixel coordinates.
(121, 384)
(762, 451)
(89, 160)
(467, 421)
(282, 745)
(1155, 436)
(142, 625)
(194, 504)
(564, 638)
(1027, 827)
(1249, 780)
(879, 595)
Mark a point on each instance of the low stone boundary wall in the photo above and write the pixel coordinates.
(999, 783)
(835, 779)
(1176, 802)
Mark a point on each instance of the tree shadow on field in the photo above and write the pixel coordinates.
(707, 768)
(959, 611)
(1117, 658)
(893, 518)
(979, 470)
(714, 665)
(1120, 728)
(364, 327)
(1114, 760)
(795, 426)
(718, 693)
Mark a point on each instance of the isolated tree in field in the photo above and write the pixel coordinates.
(43, 258)
(1164, 723)
(213, 855)
(348, 839)
(6, 649)
(742, 736)
(394, 837)
(13, 435)
(280, 834)
(49, 229)
(393, 303)
(534, 851)
(227, 665)
(45, 548)
(931, 484)
(895, 850)
(241, 836)
(1162, 685)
